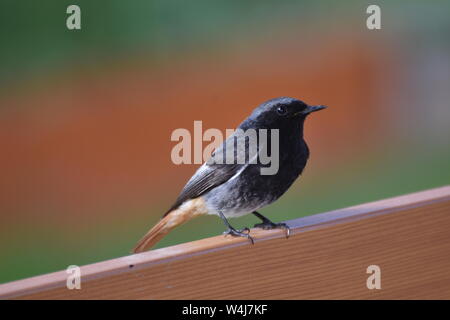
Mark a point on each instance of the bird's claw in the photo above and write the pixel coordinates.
(240, 233)
(268, 225)
(245, 229)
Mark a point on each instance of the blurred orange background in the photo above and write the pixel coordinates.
(85, 130)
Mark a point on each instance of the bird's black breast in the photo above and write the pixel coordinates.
(268, 188)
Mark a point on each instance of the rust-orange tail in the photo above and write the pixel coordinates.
(168, 222)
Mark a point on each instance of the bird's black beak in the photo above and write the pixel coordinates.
(310, 109)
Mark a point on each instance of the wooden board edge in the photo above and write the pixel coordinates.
(203, 246)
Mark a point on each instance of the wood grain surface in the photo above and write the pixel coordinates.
(326, 257)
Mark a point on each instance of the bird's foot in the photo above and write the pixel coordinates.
(240, 233)
(268, 225)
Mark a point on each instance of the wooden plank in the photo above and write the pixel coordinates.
(325, 258)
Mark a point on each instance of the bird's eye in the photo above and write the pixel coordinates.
(281, 110)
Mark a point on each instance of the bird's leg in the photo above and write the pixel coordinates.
(267, 224)
(232, 231)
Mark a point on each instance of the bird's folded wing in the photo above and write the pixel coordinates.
(206, 178)
(214, 173)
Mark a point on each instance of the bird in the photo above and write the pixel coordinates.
(236, 188)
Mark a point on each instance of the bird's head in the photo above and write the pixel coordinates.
(280, 112)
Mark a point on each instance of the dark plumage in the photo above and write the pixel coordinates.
(232, 190)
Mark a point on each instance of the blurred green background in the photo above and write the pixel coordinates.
(86, 115)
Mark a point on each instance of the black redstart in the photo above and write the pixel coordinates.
(235, 188)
